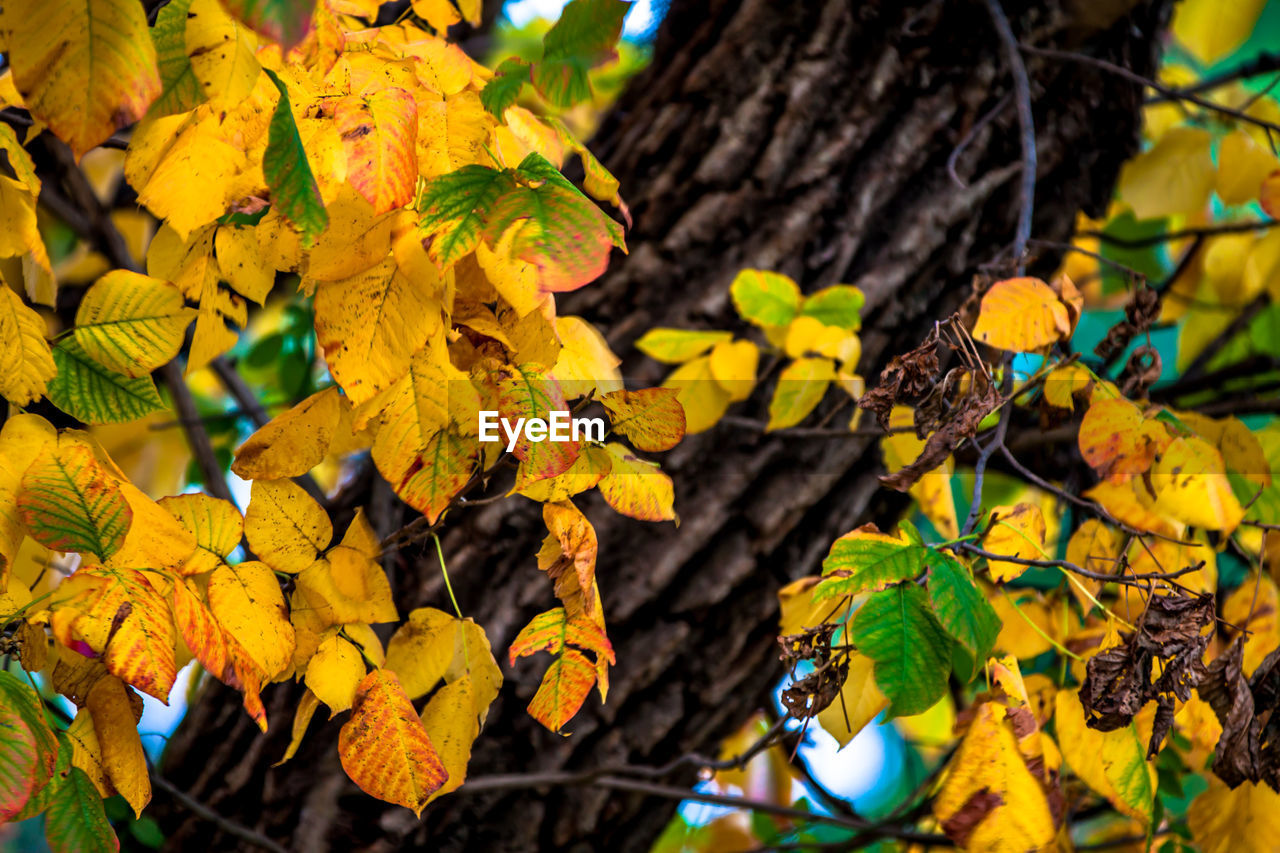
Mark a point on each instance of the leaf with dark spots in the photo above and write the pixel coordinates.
(975, 810)
(1235, 759)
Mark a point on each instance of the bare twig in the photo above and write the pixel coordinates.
(967, 139)
(1026, 121)
(1139, 80)
(1182, 233)
(228, 826)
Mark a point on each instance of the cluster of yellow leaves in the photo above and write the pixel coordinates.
(817, 332)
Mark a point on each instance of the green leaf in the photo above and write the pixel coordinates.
(283, 21)
(585, 36)
(501, 91)
(17, 763)
(28, 748)
(181, 90)
(284, 164)
(76, 821)
(839, 305)
(961, 608)
(553, 226)
(676, 346)
(454, 207)
(873, 560)
(912, 654)
(765, 298)
(92, 394)
(68, 501)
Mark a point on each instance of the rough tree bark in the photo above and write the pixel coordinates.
(810, 138)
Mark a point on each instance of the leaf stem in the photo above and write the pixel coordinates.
(444, 571)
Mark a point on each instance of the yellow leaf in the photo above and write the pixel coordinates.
(384, 747)
(293, 442)
(212, 336)
(859, 702)
(733, 366)
(1123, 501)
(651, 418)
(1174, 177)
(334, 672)
(86, 69)
(1114, 764)
(301, 719)
(1255, 607)
(241, 263)
(22, 439)
(370, 324)
(1021, 315)
(933, 490)
(247, 601)
(343, 587)
(132, 323)
(155, 540)
(636, 488)
(1224, 264)
(1016, 531)
(1242, 166)
(516, 281)
(421, 649)
(26, 362)
(1244, 820)
(216, 524)
(801, 386)
(285, 527)
(1026, 623)
(184, 169)
(221, 50)
(1095, 547)
(1261, 272)
(86, 752)
(20, 238)
(703, 399)
(115, 724)
(586, 363)
(989, 800)
(1210, 31)
(1190, 483)
(452, 721)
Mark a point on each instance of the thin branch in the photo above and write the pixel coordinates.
(1182, 233)
(1263, 63)
(967, 139)
(1026, 121)
(1069, 566)
(984, 456)
(211, 472)
(1139, 80)
(1238, 325)
(199, 809)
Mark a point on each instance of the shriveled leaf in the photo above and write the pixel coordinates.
(384, 747)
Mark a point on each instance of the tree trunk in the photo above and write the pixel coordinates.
(809, 138)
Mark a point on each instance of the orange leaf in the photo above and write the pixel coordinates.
(200, 631)
(637, 488)
(1117, 441)
(384, 747)
(379, 133)
(1022, 315)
